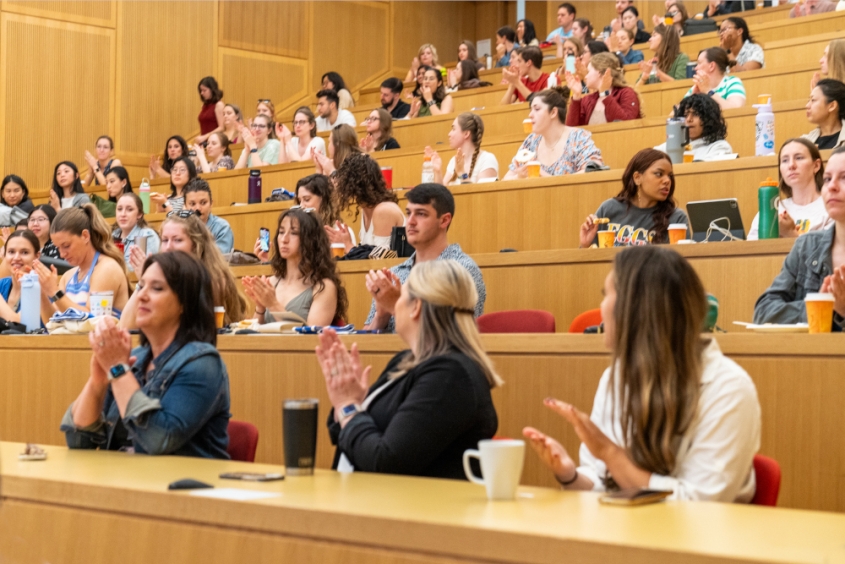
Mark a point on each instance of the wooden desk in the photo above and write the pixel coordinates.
(798, 379)
(53, 511)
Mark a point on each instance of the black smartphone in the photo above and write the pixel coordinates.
(252, 476)
(264, 239)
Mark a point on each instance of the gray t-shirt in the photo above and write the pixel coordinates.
(633, 225)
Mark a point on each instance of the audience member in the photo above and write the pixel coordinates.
(800, 179)
(259, 149)
(305, 279)
(622, 46)
(433, 401)
(174, 398)
(98, 168)
(678, 12)
(333, 81)
(379, 126)
(582, 30)
(642, 212)
(175, 148)
(565, 20)
(712, 78)
(15, 204)
(560, 149)
(571, 46)
(612, 99)
(130, 225)
(343, 141)
(742, 50)
(526, 36)
(466, 52)
(832, 63)
(315, 192)
(724, 7)
(266, 107)
(117, 183)
(811, 8)
(67, 191)
(391, 98)
(211, 115)
(815, 263)
(668, 64)
(233, 120)
(433, 100)
(181, 172)
(328, 105)
(465, 137)
(198, 199)
(706, 127)
(465, 77)
(360, 183)
(84, 240)
(430, 210)
(681, 416)
(826, 109)
(529, 77)
(219, 155)
(39, 222)
(616, 23)
(631, 21)
(505, 46)
(20, 251)
(298, 149)
(427, 57)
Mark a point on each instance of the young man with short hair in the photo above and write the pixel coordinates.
(329, 115)
(198, 199)
(430, 210)
(565, 19)
(529, 76)
(505, 45)
(391, 98)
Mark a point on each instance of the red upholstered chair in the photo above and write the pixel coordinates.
(517, 321)
(767, 471)
(589, 318)
(243, 440)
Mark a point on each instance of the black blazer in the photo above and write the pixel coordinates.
(422, 424)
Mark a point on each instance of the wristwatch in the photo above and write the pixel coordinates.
(432, 102)
(348, 411)
(605, 94)
(253, 150)
(57, 296)
(118, 370)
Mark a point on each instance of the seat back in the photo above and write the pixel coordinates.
(517, 321)
(767, 472)
(243, 441)
(589, 318)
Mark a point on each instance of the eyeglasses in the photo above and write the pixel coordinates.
(185, 214)
(674, 14)
(726, 29)
(181, 170)
(258, 126)
(301, 122)
(38, 220)
(370, 119)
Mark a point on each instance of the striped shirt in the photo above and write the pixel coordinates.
(730, 86)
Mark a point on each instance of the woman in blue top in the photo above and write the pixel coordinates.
(130, 225)
(170, 395)
(84, 240)
(22, 249)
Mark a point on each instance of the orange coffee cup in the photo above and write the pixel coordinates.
(607, 239)
(338, 250)
(527, 126)
(819, 312)
(219, 312)
(677, 232)
(533, 169)
(689, 156)
(764, 98)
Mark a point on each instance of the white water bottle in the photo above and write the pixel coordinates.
(764, 123)
(552, 82)
(427, 171)
(31, 301)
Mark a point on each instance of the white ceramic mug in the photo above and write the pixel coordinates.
(501, 465)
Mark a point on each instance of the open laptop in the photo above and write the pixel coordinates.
(719, 213)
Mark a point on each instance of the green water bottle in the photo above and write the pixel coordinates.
(712, 314)
(767, 197)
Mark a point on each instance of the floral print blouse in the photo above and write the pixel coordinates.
(579, 151)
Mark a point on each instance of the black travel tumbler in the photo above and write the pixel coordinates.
(299, 428)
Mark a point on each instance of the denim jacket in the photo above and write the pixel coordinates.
(804, 271)
(182, 409)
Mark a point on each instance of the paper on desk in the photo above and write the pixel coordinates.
(234, 494)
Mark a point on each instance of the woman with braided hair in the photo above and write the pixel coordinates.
(470, 164)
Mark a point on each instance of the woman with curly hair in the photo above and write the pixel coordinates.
(305, 280)
(641, 213)
(359, 182)
(706, 126)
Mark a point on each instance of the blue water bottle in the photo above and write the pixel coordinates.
(31, 301)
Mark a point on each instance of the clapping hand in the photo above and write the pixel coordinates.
(55, 201)
(786, 225)
(4, 234)
(459, 162)
(111, 344)
(339, 233)
(835, 284)
(574, 85)
(385, 287)
(589, 230)
(511, 77)
(346, 380)
(367, 143)
(261, 291)
(580, 69)
(415, 64)
(283, 133)
(416, 104)
(436, 161)
(248, 139)
(92, 162)
(606, 81)
(324, 164)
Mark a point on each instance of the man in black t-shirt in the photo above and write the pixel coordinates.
(391, 98)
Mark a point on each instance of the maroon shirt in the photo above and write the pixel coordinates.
(207, 118)
(622, 105)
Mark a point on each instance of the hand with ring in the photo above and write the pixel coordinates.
(346, 380)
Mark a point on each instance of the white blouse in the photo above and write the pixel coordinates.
(315, 143)
(484, 161)
(714, 460)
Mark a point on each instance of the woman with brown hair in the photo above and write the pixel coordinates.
(465, 137)
(343, 142)
(612, 99)
(297, 149)
(219, 154)
(668, 64)
(672, 412)
(466, 52)
(305, 280)
(642, 212)
(712, 78)
(379, 136)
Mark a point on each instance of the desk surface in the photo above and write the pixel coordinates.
(432, 518)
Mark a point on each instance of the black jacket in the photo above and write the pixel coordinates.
(423, 422)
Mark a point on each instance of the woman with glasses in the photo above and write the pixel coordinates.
(298, 149)
(39, 222)
(679, 15)
(305, 280)
(266, 107)
(379, 125)
(259, 149)
(735, 38)
(182, 172)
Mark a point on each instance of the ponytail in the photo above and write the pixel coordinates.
(77, 220)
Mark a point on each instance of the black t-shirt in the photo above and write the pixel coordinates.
(401, 110)
(391, 144)
(827, 141)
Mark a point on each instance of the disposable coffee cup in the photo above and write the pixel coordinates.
(607, 239)
(677, 232)
(299, 431)
(764, 99)
(101, 303)
(141, 243)
(819, 312)
(689, 156)
(533, 169)
(338, 250)
(527, 126)
(501, 467)
(387, 174)
(219, 314)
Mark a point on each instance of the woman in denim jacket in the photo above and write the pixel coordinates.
(174, 399)
(816, 262)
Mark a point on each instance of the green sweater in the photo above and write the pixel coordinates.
(106, 207)
(678, 70)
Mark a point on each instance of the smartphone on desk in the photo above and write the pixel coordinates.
(264, 239)
(252, 476)
(635, 496)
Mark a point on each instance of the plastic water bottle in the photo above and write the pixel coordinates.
(144, 194)
(764, 138)
(427, 171)
(552, 82)
(31, 301)
(767, 199)
(653, 68)
(254, 191)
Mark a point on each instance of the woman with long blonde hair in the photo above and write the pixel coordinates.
(432, 402)
(672, 412)
(832, 63)
(427, 56)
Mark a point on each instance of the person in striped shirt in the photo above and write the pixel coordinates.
(712, 78)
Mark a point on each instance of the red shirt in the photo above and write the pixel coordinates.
(207, 118)
(536, 86)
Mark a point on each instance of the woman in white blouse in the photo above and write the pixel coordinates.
(296, 149)
(672, 412)
(472, 164)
